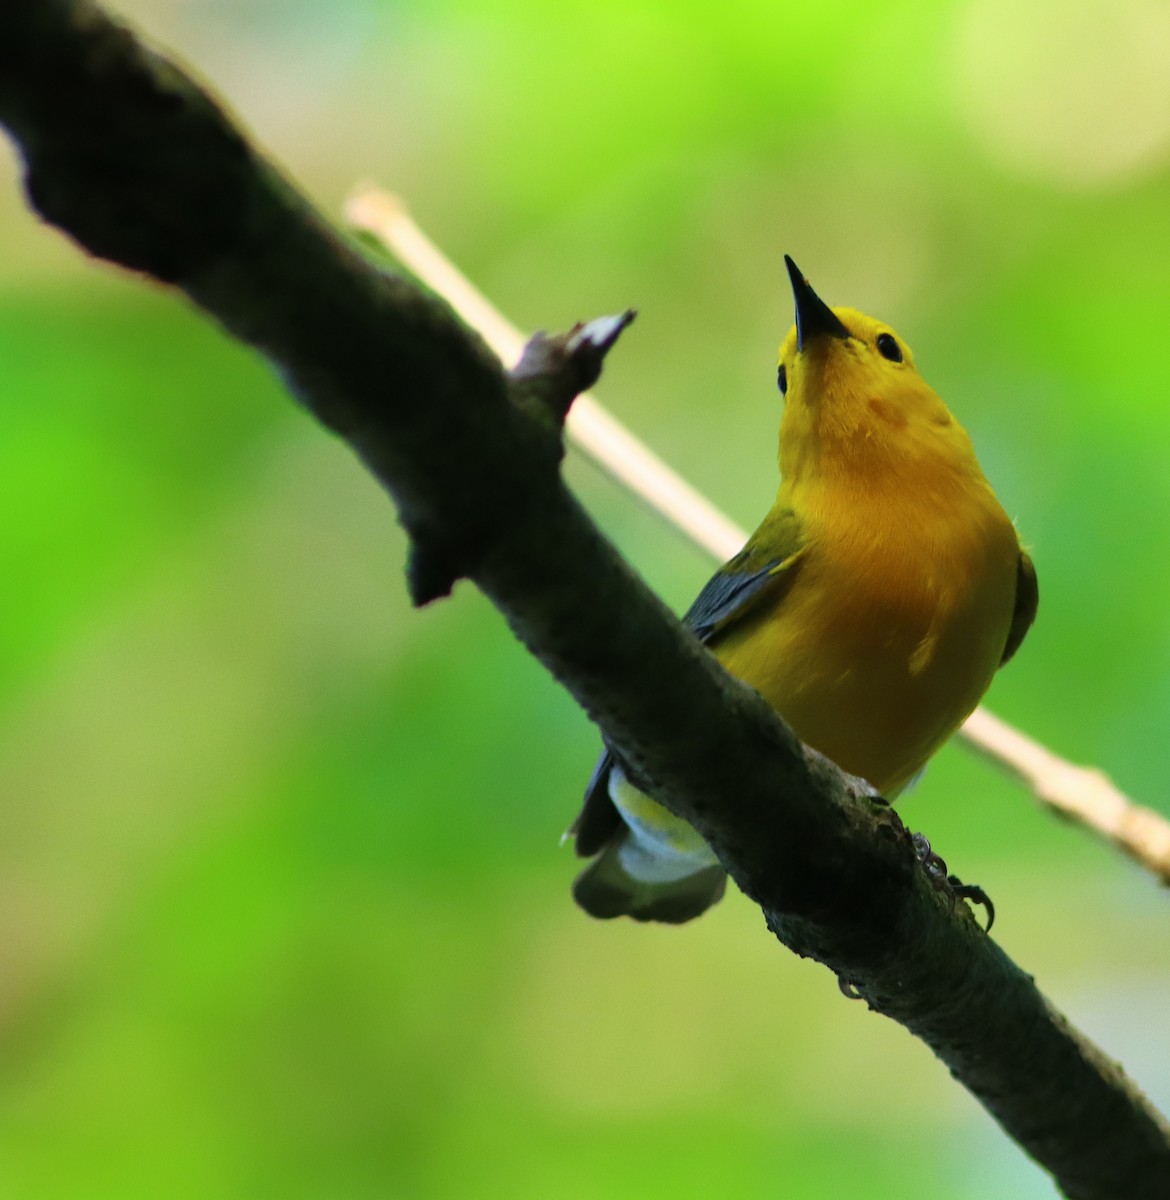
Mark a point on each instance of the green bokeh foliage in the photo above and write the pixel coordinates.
(283, 905)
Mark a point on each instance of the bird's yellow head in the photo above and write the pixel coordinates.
(854, 403)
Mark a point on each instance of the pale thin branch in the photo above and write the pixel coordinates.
(1082, 794)
(590, 427)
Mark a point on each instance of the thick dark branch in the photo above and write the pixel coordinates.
(131, 159)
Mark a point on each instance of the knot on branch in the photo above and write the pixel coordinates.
(553, 370)
(431, 572)
(556, 368)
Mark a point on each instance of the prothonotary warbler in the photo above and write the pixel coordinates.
(871, 608)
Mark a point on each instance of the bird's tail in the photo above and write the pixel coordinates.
(607, 888)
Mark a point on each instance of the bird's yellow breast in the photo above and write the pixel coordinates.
(891, 630)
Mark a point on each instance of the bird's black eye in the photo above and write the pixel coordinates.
(888, 347)
(782, 379)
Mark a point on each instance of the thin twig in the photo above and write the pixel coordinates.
(1082, 794)
(590, 428)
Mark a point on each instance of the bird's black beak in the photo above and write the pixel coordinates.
(814, 318)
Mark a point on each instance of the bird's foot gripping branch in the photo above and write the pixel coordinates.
(553, 370)
(936, 871)
(131, 159)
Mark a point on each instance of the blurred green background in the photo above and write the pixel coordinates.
(282, 909)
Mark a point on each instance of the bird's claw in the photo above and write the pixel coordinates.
(955, 889)
(974, 894)
(848, 988)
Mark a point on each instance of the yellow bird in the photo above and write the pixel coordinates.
(871, 608)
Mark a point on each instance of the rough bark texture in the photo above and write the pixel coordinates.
(131, 159)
